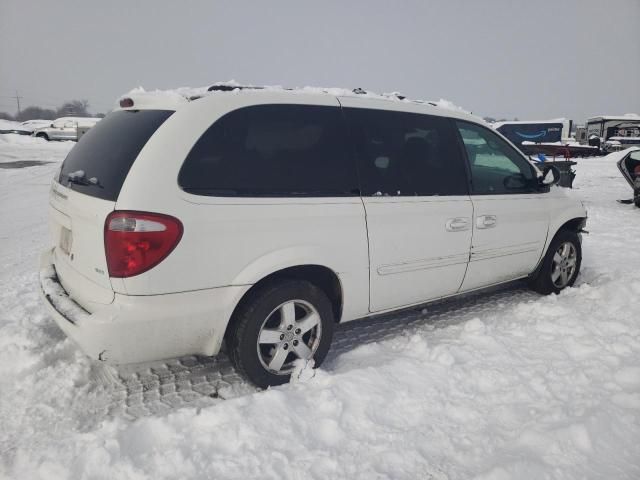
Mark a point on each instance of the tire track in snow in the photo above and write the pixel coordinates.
(159, 388)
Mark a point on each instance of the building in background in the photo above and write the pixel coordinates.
(606, 127)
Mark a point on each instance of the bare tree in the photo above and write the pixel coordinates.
(74, 108)
(33, 113)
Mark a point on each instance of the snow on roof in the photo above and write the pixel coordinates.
(77, 119)
(177, 96)
(626, 116)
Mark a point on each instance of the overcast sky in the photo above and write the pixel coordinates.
(531, 59)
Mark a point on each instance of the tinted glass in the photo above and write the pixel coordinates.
(107, 151)
(496, 167)
(272, 150)
(406, 154)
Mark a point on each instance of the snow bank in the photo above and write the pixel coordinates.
(503, 386)
(15, 139)
(8, 124)
(614, 157)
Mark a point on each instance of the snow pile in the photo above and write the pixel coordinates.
(615, 157)
(505, 385)
(15, 139)
(9, 125)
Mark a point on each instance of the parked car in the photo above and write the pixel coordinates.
(65, 128)
(264, 218)
(25, 128)
(28, 126)
(629, 166)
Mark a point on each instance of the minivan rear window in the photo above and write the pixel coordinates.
(100, 162)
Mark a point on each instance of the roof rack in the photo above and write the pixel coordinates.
(398, 95)
(190, 94)
(230, 88)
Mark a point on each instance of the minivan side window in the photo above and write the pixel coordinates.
(406, 154)
(274, 151)
(496, 167)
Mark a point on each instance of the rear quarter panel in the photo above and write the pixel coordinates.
(239, 241)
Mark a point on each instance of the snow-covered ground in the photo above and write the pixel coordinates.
(508, 385)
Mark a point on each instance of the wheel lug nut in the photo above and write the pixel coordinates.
(285, 346)
(282, 336)
(295, 343)
(289, 327)
(298, 331)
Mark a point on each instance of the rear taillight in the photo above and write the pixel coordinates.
(138, 241)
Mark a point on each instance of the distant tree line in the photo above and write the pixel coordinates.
(72, 108)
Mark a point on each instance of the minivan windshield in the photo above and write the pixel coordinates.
(100, 162)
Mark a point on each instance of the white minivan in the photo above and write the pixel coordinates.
(262, 218)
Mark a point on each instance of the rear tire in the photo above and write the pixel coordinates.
(561, 264)
(276, 325)
(43, 135)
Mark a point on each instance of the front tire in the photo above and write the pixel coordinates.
(276, 325)
(561, 264)
(43, 135)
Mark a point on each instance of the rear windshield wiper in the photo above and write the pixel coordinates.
(80, 178)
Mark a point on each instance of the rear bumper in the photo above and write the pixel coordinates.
(136, 329)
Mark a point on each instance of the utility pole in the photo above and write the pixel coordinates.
(18, 97)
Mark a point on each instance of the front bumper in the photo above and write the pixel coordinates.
(136, 329)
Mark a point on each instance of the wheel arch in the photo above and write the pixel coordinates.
(321, 276)
(574, 224)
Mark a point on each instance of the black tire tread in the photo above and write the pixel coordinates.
(246, 314)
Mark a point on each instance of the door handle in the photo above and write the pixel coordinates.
(457, 224)
(486, 221)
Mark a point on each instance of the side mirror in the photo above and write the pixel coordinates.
(550, 175)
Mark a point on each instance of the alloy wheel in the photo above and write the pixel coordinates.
(291, 331)
(564, 264)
